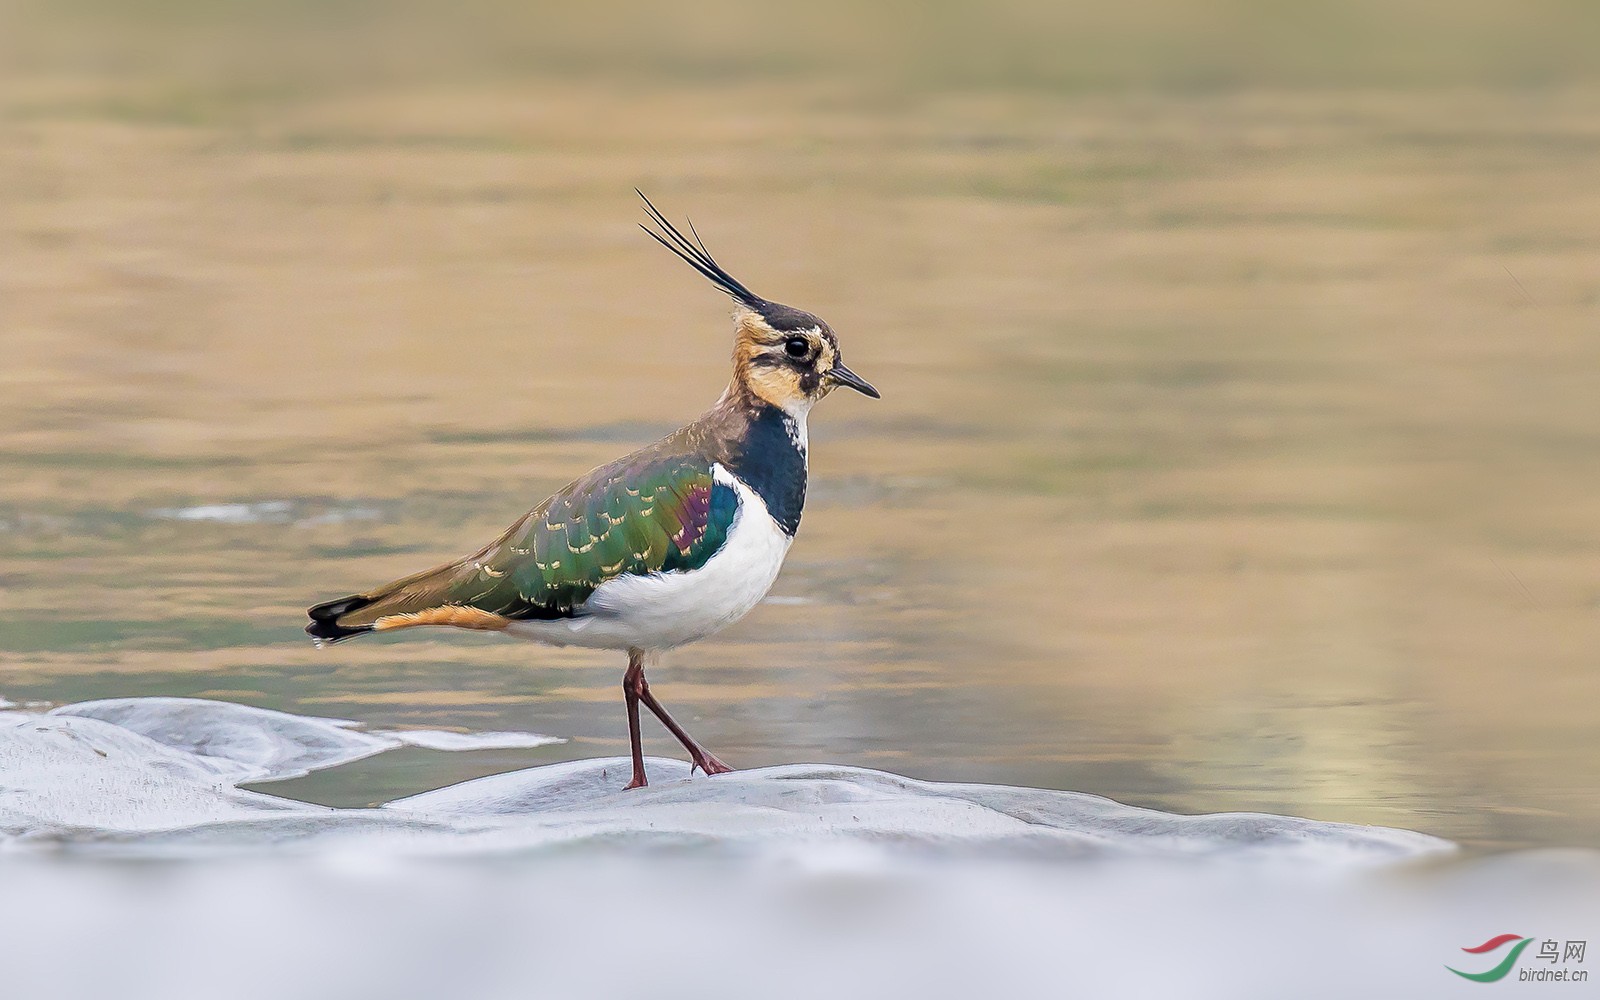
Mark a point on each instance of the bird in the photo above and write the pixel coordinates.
(662, 547)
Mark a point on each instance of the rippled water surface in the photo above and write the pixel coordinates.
(1235, 452)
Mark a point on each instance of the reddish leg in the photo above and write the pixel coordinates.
(630, 694)
(636, 689)
(704, 759)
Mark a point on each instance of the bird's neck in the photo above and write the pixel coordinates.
(764, 446)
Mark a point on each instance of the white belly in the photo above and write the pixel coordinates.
(663, 610)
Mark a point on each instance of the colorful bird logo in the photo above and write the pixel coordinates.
(1498, 972)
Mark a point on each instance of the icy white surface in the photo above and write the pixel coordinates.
(236, 741)
(796, 881)
(79, 777)
(259, 744)
(159, 774)
(800, 807)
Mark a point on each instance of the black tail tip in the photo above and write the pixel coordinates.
(325, 625)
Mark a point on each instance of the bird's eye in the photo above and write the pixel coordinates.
(796, 347)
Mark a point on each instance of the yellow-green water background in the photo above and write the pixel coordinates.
(1240, 440)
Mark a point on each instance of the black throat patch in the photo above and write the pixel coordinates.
(772, 462)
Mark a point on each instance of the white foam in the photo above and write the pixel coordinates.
(300, 513)
(266, 511)
(439, 739)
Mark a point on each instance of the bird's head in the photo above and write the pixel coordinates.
(788, 357)
(782, 355)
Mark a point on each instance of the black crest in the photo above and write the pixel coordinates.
(779, 316)
(698, 257)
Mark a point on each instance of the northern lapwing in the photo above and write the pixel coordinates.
(662, 547)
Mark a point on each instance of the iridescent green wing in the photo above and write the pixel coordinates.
(644, 514)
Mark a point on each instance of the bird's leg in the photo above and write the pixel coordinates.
(632, 684)
(702, 758)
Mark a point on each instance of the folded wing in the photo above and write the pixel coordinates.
(643, 514)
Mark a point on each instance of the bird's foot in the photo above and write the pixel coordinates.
(708, 763)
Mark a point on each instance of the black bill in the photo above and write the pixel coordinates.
(844, 376)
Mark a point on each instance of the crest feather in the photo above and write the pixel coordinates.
(695, 254)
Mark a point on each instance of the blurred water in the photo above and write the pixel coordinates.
(1236, 451)
(494, 928)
